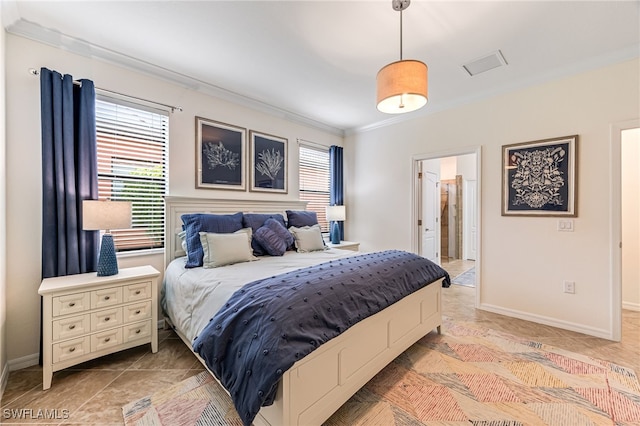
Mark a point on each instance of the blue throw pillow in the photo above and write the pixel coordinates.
(273, 237)
(300, 218)
(193, 224)
(255, 221)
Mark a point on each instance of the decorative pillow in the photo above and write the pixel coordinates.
(301, 218)
(226, 249)
(273, 237)
(255, 221)
(183, 242)
(193, 224)
(308, 238)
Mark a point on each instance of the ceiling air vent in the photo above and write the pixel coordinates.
(485, 63)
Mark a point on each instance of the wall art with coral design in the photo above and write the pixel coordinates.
(268, 163)
(540, 177)
(220, 155)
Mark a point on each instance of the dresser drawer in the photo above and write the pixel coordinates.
(70, 304)
(138, 291)
(106, 297)
(106, 339)
(70, 349)
(107, 318)
(139, 330)
(67, 328)
(137, 311)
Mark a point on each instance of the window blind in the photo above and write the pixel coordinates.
(314, 181)
(132, 147)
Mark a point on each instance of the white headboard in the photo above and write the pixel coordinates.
(175, 207)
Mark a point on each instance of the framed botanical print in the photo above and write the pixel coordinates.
(220, 155)
(539, 178)
(268, 163)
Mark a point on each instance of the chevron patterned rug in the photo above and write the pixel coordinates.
(467, 376)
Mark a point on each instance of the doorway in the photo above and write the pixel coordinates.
(446, 209)
(624, 258)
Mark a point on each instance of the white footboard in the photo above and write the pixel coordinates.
(316, 386)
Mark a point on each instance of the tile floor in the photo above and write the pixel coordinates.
(93, 393)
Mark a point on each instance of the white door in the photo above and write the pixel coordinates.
(470, 219)
(431, 216)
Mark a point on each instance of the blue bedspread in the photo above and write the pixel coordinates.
(269, 324)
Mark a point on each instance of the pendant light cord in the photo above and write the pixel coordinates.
(400, 34)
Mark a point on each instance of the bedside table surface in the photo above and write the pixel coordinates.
(78, 281)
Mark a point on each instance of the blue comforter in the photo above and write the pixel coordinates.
(269, 324)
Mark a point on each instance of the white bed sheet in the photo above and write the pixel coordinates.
(191, 297)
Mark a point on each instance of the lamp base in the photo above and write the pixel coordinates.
(335, 233)
(107, 261)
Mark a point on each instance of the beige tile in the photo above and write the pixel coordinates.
(131, 385)
(172, 354)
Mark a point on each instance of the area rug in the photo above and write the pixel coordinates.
(467, 376)
(467, 278)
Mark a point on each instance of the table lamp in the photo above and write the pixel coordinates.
(336, 214)
(106, 215)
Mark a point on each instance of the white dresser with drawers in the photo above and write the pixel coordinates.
(85, 316)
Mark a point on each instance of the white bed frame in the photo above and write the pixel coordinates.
(319, 384)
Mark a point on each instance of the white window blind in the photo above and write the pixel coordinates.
(314, 181)
(132, 166)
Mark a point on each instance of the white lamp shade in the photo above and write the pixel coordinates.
(336, 213)
(107, 215)
(402, 86)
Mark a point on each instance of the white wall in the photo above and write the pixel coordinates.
(631, 219)
(3, 214)
(23, 163)
(524, 260)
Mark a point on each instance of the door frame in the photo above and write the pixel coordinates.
(415, 202)
(615, 225)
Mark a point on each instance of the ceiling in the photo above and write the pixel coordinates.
(317, 61)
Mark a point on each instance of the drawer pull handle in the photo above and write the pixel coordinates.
(71, 349)
(107, 339)
(138, 331)
(72, 304)
(72, 326)
(107, 318)
(138, 312)
(106, 298)
(137, 292)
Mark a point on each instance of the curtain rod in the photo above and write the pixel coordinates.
(173, 109)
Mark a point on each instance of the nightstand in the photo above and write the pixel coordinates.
(345, 245)
(85, 316)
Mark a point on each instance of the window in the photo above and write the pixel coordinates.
(314, 181)
(132, 166)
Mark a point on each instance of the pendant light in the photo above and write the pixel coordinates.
(402, 85)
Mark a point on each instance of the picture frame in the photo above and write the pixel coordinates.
(220, 155)
(268, 162)
(539, 178)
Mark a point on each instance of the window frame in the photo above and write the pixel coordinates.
(320, 211)
(119, 155)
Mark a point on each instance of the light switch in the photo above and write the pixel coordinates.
(565, 225)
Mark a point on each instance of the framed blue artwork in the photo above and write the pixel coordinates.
(540, 177)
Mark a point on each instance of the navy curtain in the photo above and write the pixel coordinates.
(336, 180)
(69, 173)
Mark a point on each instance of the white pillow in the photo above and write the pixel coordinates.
(226, 249)
(308, 238)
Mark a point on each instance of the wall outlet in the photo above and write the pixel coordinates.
(569, 287)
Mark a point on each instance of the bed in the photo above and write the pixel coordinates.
(311, 389)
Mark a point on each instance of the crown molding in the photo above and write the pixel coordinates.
(33, 31)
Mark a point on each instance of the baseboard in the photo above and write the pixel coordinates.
(23, 362)
(631, 306)
(553, 322)
(4, 377)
